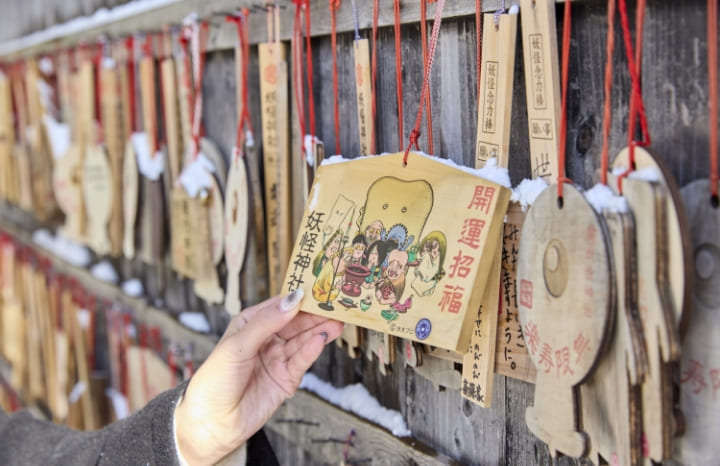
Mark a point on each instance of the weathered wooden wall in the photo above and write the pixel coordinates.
(675, 91)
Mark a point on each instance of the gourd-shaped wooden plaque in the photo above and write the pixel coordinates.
(130, 199)
(237, 218)
(565, 288)
(208, 217)
(700, 364)
(610, 397)
(67, 183)
(648, 204)
(98, 195)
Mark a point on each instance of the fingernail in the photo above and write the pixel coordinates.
(325, 335)
(290, 301)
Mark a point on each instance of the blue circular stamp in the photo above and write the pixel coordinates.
(423, 328)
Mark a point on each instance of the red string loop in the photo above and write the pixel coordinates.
(244, 123)
(398, 72)
(98, 61)
(712, 23)
(607, 114)
(415, 133)
(567, 24)
(373, 82)
(334, 5)
(423, 37)
(130, 48)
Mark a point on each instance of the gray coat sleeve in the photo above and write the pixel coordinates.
(145, 437)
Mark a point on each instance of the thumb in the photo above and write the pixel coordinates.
(262, 324)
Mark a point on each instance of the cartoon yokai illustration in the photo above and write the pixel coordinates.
(397, 203)
(429, 271)
(391, 286)
(375, 255)
(338, 216)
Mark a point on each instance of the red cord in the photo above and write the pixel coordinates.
(97, 59)
(712, 15)
(187, 82)
(563, 118)
(637, 107)
(130, 47)
(607, 115)
(478, 41)
(309, 68)
(373, 132)
(398, 73)
(415, 133)
(197, 129)
(297, 73)
(423, 40)
(334, 5)
(244, 44)
(162, 141)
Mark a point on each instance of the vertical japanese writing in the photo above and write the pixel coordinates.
(306, 248)
(538, 71)
(490, 97)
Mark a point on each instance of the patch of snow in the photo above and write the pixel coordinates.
(527, 191)
(77, 392)
(651, 174)
(108, 62)
(601, 197)
(249, 139)
(308, 143)
(45, 65)
(59, 135)
(316, 194)
(83, 318)
(104, 271)
(119, 403)
(357, 399)
(195, 321)
(197, 175)
(514, 10)
(64, 248)
(45, 91)
(133, 287)
(150, 167)
(101, 18)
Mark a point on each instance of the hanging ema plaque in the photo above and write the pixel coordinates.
(401, 250)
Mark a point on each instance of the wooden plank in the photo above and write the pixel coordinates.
(307, 420)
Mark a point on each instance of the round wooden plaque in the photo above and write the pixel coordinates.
(564, 285)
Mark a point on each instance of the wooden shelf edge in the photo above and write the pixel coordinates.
(324, 430)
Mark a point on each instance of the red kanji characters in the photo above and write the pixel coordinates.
(546, 358)
(562, 359)
(482, 198)
(580, 345)
(460, 265)
(452, 299)
(695, 376)
(531, 336)
(471, 231)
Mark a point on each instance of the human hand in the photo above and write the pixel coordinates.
(257, 364)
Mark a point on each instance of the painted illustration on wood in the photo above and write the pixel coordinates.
(398, 250)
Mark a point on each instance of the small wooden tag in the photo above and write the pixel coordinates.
(273, 97)
(171, 113)
(237, 218)
(98, 196)
(479, 361)
(363, 92)
(130, 178)
(496, 85)
(511, 355)
(183, 254)
(542, 85)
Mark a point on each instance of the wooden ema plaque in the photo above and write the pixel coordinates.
(130, 180)
(208, 236)
(479, 361)
(565, 294)
(171, 113)
(496, 85)
(610, 397)
(7, 140)
(647, 202)
(67, 183)
(401, 250)
(511, 355)
(542, 84)
(98, 196)
(363, 93)
(679, 244)
(671, 265)
(275, 134)
(700, 364)
(237, 219)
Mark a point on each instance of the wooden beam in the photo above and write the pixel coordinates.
(325, 430)
(124, 20)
